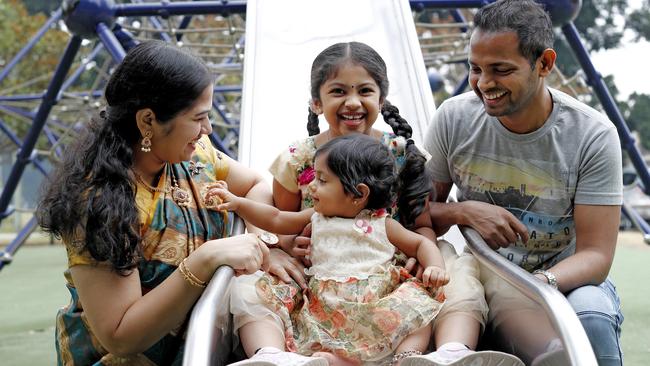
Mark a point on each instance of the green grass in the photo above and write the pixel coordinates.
(631, 272)
(33, 289)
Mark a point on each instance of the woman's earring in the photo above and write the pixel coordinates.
(146, 141)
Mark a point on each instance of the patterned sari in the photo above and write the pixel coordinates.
(170, 232)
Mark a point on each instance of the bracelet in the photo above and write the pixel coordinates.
(189, 276)
(550, 277)
(402, 355)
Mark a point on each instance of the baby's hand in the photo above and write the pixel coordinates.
(434, 277)
(225, 199)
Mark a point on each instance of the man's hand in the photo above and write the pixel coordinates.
(497, 226)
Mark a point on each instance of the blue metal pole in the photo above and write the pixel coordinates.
(7, 255)
(460, 88)
(82, 67)
(179, 8)
(421, 4)
(12, 136)
(111, 43)
(595, 80)
(14, 61)
(24, 155)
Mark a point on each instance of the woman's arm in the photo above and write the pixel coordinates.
(127, 322)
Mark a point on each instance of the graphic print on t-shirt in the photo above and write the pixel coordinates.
(538, 193)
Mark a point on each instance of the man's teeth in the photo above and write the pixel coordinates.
(496, 95)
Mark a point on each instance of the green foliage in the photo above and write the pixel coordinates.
(639, 21)
(40, 6)
(33, 73)
(637, 115)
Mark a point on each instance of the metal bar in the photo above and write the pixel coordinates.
(7, 255)
(422, 4)
(91, 56)
(562, 315)
(12, 136)
(14, 61)
(111, 43)
(179, 8)
(24, 155)
(209, 331)
(185, 22)
(28, 97)
(460, 88)
(595, 80)
(637, 221)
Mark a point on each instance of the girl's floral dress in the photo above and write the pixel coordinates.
(358, 305)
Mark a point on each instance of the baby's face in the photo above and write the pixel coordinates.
(327, 192)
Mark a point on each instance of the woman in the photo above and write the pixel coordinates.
(127, 202)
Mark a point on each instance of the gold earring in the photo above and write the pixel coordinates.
(146, 141)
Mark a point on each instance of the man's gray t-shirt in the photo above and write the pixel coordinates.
(574, 158)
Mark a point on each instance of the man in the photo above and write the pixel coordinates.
(538, 173)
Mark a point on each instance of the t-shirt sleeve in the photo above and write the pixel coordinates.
(284, 172)
(600, 176)
(436, 142)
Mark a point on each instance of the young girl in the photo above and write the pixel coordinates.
(356, 308)
(349, 86)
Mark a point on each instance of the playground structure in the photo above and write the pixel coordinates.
(221, 33)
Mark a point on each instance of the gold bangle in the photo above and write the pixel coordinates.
(189, 276)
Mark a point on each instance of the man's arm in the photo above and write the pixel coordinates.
(596, 234)
(497, 226)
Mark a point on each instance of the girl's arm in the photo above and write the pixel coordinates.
(264, 216)
(416, 245)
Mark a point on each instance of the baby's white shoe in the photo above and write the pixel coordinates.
(271, 356)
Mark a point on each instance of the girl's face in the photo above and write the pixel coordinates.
(327, 192)
(350, 101)
(175, 141)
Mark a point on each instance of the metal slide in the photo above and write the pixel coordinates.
(277, 65)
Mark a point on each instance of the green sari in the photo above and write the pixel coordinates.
(170, 232)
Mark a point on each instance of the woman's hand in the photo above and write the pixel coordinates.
(287, 268)
(245, 253)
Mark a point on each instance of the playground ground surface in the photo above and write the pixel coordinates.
(32, 289)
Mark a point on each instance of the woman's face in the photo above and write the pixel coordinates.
(350, 101)
(175, 141)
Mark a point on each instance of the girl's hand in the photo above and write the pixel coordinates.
(434, 277)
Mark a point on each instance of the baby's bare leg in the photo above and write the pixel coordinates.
(416, 341)
(261, 333)
(335, 360)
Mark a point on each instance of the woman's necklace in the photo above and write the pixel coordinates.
(148, 187)
(179, 195)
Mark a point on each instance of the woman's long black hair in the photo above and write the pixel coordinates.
(89, 200)
(415, 184)
(358, 158)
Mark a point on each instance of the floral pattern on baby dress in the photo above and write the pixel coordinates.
(362, 317)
